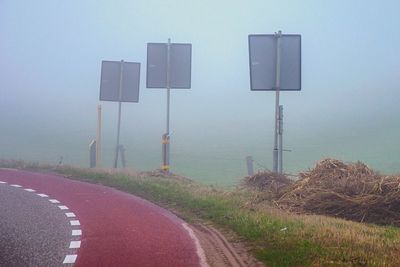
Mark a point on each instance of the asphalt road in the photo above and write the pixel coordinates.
(33, 232)
(118, 229)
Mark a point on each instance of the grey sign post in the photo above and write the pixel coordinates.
(280, 141)
(275, 65)
(168, 66)
(119, 82)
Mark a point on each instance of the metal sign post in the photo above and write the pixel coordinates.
(280, 139)
(119, 83)
(98, 138)
(275, 65)
(166, 137)
(117, 147)
(277, 89)
(168, 66)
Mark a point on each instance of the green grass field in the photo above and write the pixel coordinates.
(275, 237)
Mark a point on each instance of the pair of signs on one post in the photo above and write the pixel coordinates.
(168, 66)
(263, 57)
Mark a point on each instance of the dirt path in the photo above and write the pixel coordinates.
(220, 252)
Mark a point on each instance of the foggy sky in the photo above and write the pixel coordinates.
(51, 54)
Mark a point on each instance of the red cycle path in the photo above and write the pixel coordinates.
(118, 229)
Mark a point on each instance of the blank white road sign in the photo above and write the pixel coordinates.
(111, 77)
(180, 65)
(263, 59)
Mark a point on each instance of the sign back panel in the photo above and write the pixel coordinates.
(180, 65)
(263, 59)
(156, 65)
(111, 77)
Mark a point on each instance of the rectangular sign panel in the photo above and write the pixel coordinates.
(156, 65)
(111, 83)
(263, 59)
(180, 65)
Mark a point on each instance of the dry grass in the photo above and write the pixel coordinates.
(271, 184)
(351, 191)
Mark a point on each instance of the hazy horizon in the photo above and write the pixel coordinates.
(51, 55)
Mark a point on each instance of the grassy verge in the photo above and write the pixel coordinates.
(275, 237)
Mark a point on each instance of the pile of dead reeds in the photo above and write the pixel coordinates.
(351, 191)
(271, 183)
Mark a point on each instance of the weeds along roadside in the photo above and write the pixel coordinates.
(275, 237)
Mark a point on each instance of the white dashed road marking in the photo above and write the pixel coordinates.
(70, 258)
(74, 222)
(76, 232)
(70, 214)
(29, 190)
(75, 244)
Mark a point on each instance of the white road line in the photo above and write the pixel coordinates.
(70, 258)
(74, 222)
(75, 244)
(70, 214)
(29, 190)
(76, 232)
(199, 249)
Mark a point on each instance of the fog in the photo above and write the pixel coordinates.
(51, 53)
